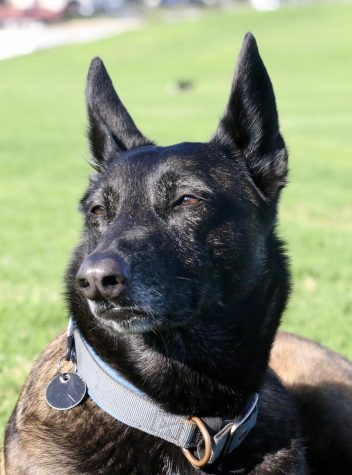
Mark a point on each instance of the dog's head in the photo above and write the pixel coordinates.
(180, 236)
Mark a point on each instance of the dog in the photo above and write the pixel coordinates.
(175, 292)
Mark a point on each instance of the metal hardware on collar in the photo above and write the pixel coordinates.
(70, 342)
(202, 440)
(207, 445)
(240, 428)
(233, 434)
(59, 362)
(229, 437)
(66, 389)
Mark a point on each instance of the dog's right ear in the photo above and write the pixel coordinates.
(111, 129)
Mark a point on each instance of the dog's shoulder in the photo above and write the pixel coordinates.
(38, 436)
(32, 403)
(305, 366)
(22, 446)
(320, 382)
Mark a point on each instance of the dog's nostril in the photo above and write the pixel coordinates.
(102, 276)
(83, 283)
(110, 281)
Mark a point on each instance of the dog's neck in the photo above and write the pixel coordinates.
(203, 371)
(208, 368)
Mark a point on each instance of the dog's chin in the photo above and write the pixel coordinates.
(116, 319)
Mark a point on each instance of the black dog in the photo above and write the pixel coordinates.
(178, 284)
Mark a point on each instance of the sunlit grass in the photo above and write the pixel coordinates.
(43, 170)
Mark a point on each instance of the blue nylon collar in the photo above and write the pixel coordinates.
(115, 375)
(119, 398)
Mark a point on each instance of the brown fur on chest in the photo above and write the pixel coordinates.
(40, 433)
(319, 380)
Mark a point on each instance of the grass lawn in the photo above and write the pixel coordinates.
(43, 171)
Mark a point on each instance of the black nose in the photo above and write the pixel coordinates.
(102, 275)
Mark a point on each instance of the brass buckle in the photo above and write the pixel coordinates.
(207, 445)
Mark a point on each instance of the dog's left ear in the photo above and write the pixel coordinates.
(111, 129)
(250, 122)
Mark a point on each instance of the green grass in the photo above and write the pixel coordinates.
(43, 169)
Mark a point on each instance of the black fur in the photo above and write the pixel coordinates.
(208, 279)
(211, 279)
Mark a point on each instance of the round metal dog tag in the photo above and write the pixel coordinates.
(65, 391)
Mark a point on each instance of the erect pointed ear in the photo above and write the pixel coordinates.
(250, 122)
(111, 129)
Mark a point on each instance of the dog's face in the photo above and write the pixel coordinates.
(177, 236)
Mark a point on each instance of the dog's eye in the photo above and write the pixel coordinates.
(99, 211)
(187, 200)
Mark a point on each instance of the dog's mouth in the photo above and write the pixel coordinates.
(124, 319)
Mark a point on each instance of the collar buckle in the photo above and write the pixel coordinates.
(241, 427)
(230, 436)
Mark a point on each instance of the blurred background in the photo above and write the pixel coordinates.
(172, 63)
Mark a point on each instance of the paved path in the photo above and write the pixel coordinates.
(17, 41)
